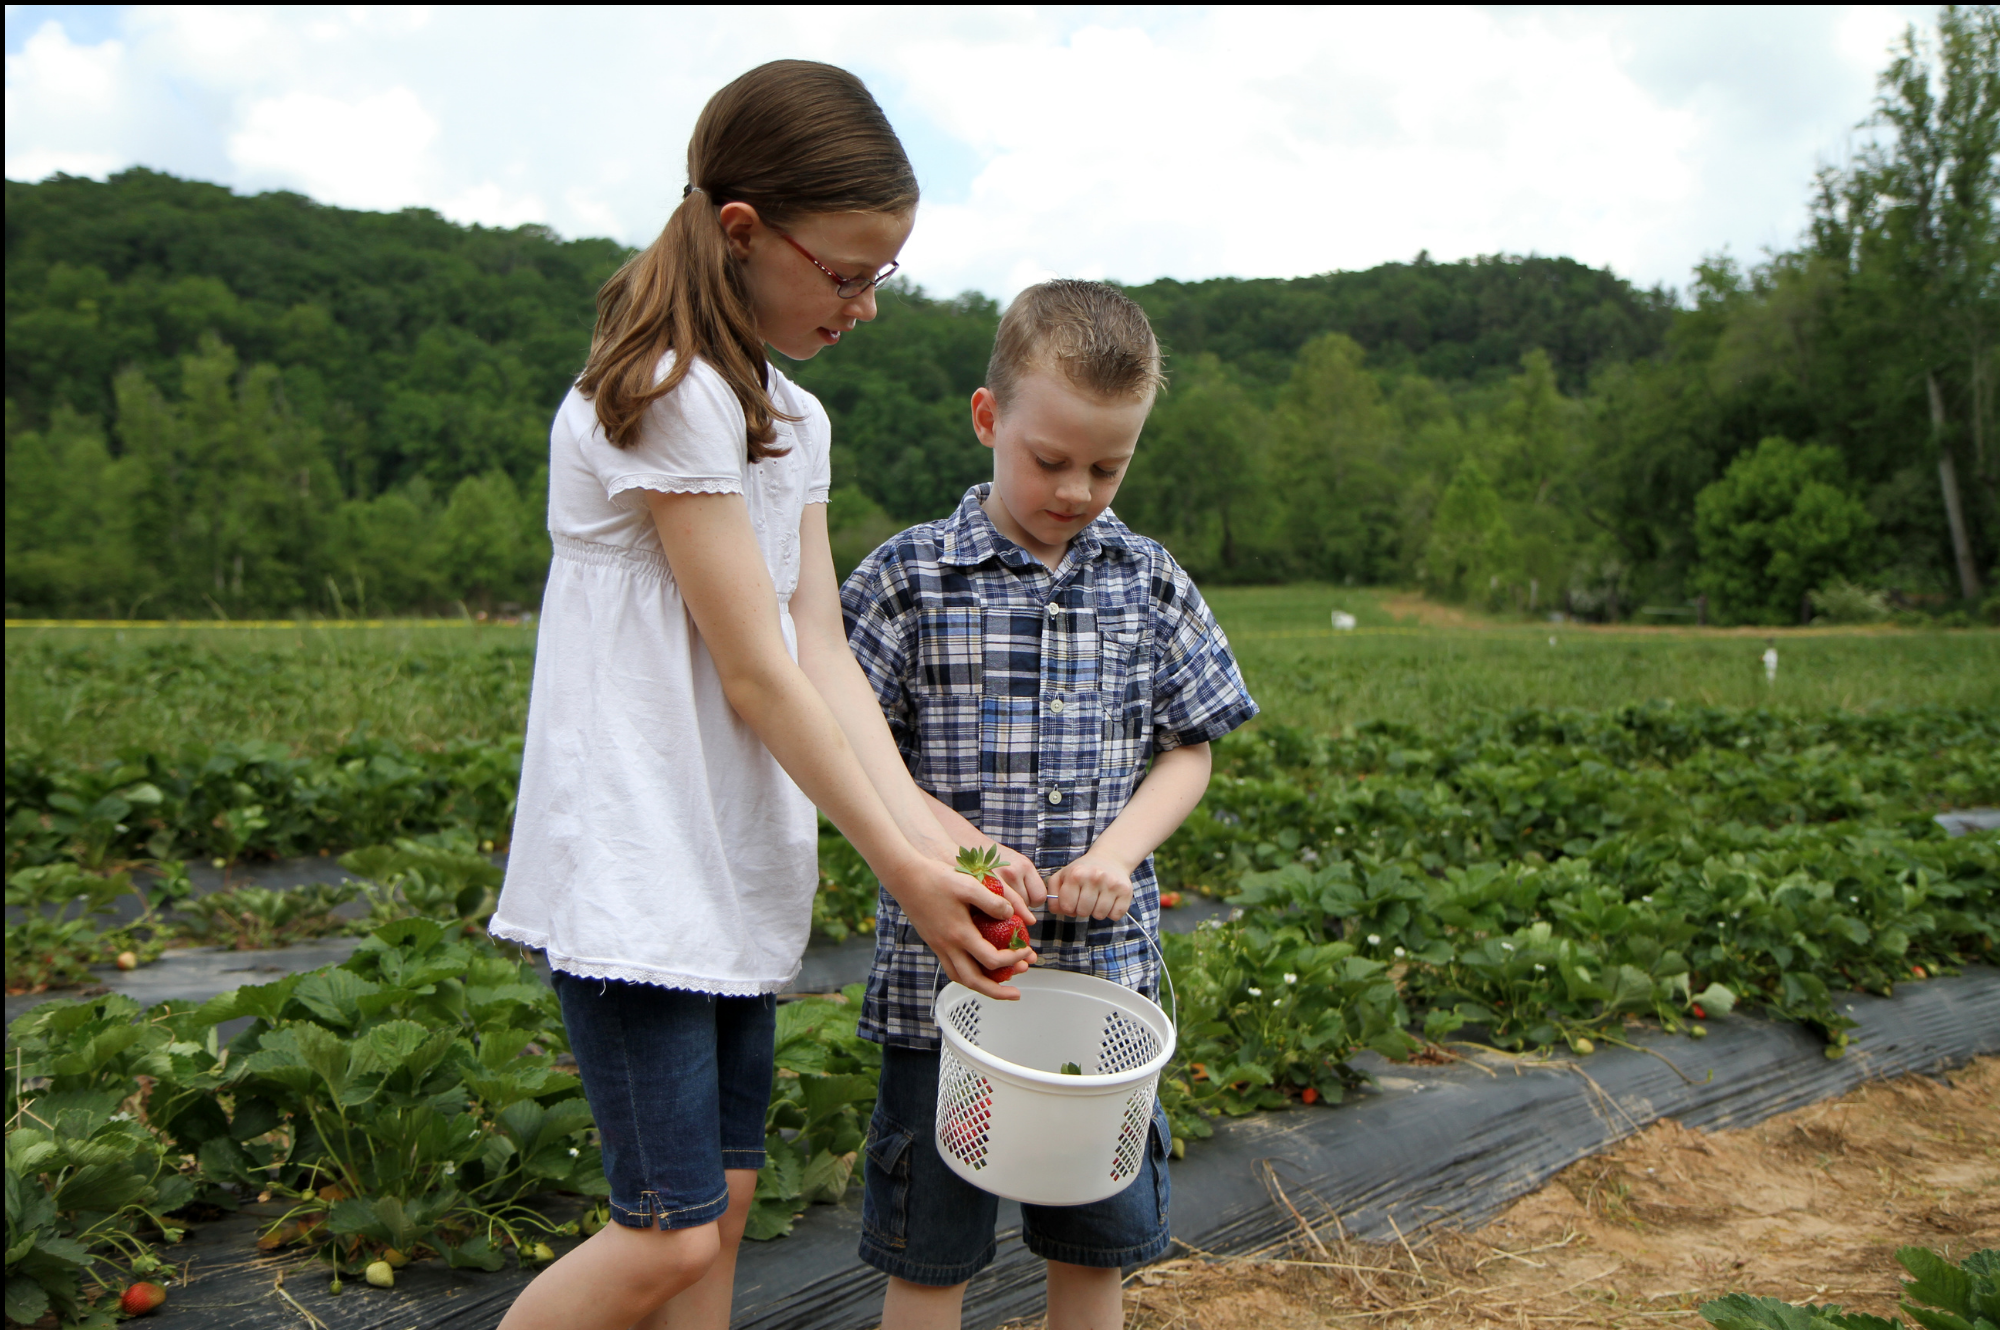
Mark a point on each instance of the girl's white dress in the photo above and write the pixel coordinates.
(657, 840)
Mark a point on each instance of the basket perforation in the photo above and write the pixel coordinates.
(965, 1112)
(1131, 1148)
(1124, 1044)
(964, 1018)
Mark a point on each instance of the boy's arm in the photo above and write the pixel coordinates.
(1098, 882)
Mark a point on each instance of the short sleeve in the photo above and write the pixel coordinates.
(691, 441)
(875, 604)
(1198, 692)
(818, 432)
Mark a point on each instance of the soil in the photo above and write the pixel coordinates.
(1809, 1206)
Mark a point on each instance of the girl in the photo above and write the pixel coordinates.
(694, 695)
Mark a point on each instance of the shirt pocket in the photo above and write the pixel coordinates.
(1124, 670)
(951, 651)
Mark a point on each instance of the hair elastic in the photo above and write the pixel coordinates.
(689, 189)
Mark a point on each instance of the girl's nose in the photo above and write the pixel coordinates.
(862, 308)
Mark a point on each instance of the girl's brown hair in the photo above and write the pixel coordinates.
(789, 138)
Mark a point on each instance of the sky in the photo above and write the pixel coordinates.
(1120, 143)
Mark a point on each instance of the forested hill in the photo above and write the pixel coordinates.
(417, 347)
(252, 405)
(1447, 321)
(409, 356)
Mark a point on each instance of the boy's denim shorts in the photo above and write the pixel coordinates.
(679, 1083)
(922, 1222)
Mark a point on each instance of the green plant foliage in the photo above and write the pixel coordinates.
(1841, 601)
(1779, 522)
(442, 877)
(1267, 1014)
(87, 1182)
(823, 1090)
(848, 889)
(236, 800)
(1542, 876)
(1957, 1296)
(254, 918)
(407, 1098)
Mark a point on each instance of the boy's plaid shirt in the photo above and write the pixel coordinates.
(1031, 702)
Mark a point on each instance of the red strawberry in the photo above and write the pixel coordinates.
(1009, 934)
(142, 1298)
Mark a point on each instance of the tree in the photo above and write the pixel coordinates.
(1914, 219)
(1778, 524)
(1470, 552)
(1200, 482)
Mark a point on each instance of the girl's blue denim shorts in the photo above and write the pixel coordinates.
(679, 1083)
(922, 1222)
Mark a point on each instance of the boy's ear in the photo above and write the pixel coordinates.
(985, 414)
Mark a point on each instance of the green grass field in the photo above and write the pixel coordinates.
(1305, 673)
(87, 693)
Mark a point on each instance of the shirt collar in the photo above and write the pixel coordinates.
(970, 538)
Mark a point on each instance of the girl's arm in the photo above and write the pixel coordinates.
(713, 553)
(931, 827)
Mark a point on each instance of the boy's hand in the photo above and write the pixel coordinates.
(1018, 873)
(1091, 885)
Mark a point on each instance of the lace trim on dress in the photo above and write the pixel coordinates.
(817, 494)
(628, 973)
(665, 484)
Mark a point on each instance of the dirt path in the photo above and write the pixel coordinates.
(1809, 1206)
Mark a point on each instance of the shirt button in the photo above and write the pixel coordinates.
(1054, 609)
(1055, 796)
(1056, 706)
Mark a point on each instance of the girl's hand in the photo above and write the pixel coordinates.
(1092, 885)
(935, 899)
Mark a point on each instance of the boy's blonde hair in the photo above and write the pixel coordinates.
(1095, 334)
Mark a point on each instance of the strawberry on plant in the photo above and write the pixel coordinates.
(142, 1298)
(1009, 934)
(1170, 900)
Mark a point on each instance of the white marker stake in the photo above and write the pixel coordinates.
(1770, 664)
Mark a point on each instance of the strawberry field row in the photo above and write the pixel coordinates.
(1529, 880)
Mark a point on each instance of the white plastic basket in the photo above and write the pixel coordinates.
(1009, 1121)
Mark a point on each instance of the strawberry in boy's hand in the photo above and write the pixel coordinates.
(1009, 934)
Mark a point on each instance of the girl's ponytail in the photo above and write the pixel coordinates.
(789, 138)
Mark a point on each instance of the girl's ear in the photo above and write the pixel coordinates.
(740, 224)
(985, 414)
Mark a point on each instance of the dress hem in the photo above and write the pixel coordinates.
(629, 972)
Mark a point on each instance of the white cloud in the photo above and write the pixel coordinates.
(370, 153)
(1127, 143)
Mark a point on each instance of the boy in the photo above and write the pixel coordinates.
(1033, 655)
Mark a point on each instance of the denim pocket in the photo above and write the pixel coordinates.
(885, 1194)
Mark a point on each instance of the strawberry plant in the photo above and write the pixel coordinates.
(88, 1185)
(823, 1090)
(1267, 1014)
(441, 877)
(255, 918)
(1961, 1296)
(56, 937)
(848, 890)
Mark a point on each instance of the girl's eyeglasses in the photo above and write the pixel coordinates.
(845, 287)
